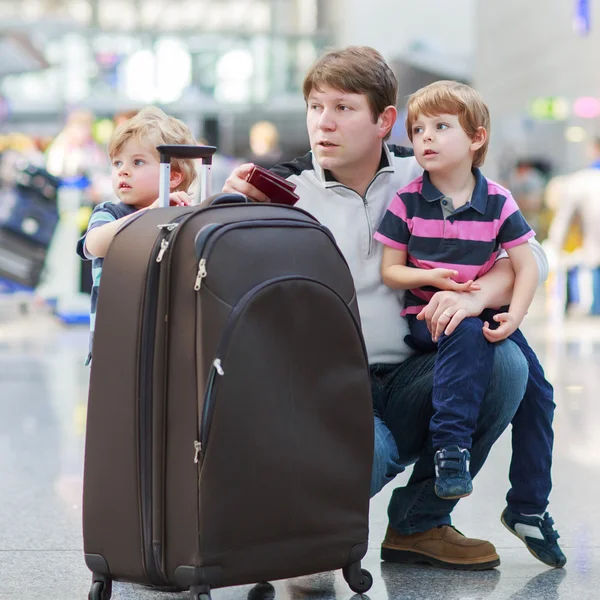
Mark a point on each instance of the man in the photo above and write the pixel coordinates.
(347, 181)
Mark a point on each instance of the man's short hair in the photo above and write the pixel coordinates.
(451, 98)
(357, 70)
(152, 127)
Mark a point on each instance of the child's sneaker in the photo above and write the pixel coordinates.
(538, 535)
(452, 477)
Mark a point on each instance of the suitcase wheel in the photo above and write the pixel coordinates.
(359, 580)
(100, 590)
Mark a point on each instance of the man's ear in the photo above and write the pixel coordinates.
(176, 179)
(386, 120)
(478, 139)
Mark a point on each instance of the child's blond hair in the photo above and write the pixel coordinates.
(152, 127)
(451, 98)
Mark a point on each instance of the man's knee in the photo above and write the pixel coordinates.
(386, 462)
(509, 377)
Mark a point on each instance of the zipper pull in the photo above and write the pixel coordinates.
(163, 248)
(198, 450)
(168, 226)
(201, 274)
(218, 367)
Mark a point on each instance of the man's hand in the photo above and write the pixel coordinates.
(443, 279)
(446, 310)
(508, 325)
(236, 183)
(175, 199)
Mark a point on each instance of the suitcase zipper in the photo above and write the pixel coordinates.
(217, 365)
(152, 560)
(205, 240)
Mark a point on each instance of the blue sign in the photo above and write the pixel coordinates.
(581, 19)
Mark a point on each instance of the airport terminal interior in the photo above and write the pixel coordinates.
(71, 71)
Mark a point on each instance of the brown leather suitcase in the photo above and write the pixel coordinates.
(230, 426)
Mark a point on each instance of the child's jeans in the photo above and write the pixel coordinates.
(462, 371)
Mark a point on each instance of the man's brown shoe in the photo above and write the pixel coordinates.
(441, 547)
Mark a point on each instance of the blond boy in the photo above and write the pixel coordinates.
(135, 181)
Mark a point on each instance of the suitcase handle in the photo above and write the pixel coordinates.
(182, 151)
(227, 198)
(168, 151)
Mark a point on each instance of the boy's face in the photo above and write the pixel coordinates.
(342, 133)
(440, 143)
(136, 174)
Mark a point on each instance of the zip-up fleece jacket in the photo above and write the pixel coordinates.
(353, 219)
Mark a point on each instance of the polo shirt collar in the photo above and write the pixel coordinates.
(478, 199)
(385, 164)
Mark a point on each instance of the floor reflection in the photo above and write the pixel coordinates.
(43, 391)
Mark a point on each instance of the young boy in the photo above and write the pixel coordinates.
(135, 180)
(442, 232)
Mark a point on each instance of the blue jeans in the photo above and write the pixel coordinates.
(461, 376)
(402, 399)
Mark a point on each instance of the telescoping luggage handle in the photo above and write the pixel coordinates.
(181, 151)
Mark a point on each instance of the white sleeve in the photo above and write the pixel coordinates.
(540, 258)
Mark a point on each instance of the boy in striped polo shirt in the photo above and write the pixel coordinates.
(135, 181)
(442, 232)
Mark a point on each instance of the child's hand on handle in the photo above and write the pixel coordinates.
(443, 279)
(508, 325)
(236, 183)
(175, 199)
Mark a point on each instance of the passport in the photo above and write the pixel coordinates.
(278, 189)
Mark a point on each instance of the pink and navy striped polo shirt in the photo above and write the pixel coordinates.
(467, 239)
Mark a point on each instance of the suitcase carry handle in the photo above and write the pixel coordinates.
(228, 198)
(167, 152)
(181, 151)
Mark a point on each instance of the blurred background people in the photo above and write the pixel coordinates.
(578, 201)
(264, 145)
(75, 154)
(526, 184)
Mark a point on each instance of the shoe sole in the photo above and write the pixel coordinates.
(526, 546)
(408, 557)
(453, 497)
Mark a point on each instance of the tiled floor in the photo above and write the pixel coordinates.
(42, 414)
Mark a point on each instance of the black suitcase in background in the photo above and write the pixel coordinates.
(29, 208)
(20, 261)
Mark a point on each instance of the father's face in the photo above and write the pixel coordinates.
(341, 130)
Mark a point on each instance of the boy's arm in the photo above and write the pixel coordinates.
(525, 268)
(397, 275)
(98, 240)
(103, 226)
(526, 272)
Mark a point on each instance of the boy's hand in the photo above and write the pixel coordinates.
(443, 280)
(175, 199)
(508, 325)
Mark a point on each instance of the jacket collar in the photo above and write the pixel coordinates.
(479, 197)
(328, 179)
